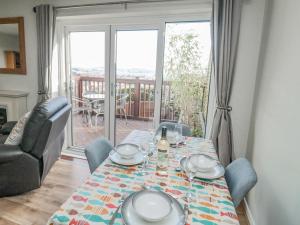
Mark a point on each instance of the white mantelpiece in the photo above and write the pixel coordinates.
(15, 102)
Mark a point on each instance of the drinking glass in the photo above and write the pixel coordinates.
(190, 172)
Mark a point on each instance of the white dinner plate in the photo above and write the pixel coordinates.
(130, 217)
(202, 162)
(216, 172)
(127, 150)
(116, 158)
(152, 206)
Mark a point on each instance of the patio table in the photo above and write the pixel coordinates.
(95, 201)
(94, 96)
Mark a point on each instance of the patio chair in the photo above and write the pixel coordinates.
(121, 104)
(81, 106)
(241, 178)
(97, 107)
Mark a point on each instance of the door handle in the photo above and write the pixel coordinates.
(112, 88)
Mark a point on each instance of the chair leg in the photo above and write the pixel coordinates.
(96, 121)
(125, 115)
(90, 119)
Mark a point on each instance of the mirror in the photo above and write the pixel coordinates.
(12, 46)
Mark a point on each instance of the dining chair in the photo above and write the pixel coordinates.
(96, 152)
(121, 104)
(186, 130)
(241, 178)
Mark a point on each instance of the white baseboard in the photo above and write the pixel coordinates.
(248, 213)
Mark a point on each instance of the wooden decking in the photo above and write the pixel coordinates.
(83, 133)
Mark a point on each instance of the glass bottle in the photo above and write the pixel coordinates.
(163, 152)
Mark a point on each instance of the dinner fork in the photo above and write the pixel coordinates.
(114, 216)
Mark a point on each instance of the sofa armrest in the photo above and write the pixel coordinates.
(7, 127)
(9, 153)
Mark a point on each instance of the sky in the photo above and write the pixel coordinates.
(135, 49)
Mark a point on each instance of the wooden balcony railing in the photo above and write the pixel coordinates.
(141, 94)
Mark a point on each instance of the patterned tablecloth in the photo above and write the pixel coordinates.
(96, 200)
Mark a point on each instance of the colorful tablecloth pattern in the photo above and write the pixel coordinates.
(96, 200)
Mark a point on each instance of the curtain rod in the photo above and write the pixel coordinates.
(112, 3)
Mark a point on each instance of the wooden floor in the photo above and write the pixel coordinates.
(34, 208)
(83, 133)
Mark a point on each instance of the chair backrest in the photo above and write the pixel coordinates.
(96, 152)
(46, 123)
(78, 103)
(241, 178)
(186, 131)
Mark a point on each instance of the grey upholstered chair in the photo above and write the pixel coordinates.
(186, 131)
(96, 152)
(241, 178)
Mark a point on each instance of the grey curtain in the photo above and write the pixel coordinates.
(225, 31)
(45, 23)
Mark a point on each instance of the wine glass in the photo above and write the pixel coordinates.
(190, 172)
(152, 140)
(178, 140)
(145, 150)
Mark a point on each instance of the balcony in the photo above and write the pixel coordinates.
(139, 107)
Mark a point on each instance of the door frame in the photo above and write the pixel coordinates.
(128, 21)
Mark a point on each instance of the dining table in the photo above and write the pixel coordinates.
(96, 200)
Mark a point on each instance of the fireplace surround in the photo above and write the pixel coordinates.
(13, 104)
(3, 114)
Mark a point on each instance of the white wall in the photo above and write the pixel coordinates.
(274, 134)
(7, 42)
(245, 72)
(13, 8)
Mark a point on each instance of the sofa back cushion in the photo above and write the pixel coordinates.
(37, 125)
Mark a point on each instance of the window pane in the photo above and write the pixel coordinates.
(186, 74)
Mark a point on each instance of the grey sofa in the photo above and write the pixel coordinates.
(5, 129)
(25, 166)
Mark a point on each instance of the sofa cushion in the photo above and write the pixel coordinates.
(40, 114)
(15, 136)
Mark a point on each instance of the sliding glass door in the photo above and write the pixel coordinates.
(114, 75)
(136, 72)
(122, 78)
(87, 76)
